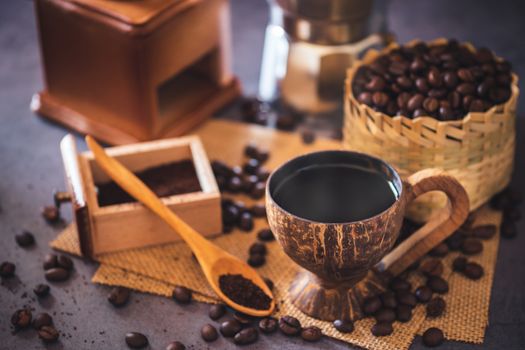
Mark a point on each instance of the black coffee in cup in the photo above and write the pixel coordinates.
(335, 192)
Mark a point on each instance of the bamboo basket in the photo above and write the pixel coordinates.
(478, 150)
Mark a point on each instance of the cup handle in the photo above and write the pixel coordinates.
(440, 226)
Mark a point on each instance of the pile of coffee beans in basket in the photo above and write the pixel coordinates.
(444, 81)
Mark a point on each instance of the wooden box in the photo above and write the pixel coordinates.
(129, 71)
(103, 229)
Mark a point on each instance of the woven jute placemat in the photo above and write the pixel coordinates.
(158, 269)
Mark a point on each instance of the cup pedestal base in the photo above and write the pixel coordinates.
(329, 302)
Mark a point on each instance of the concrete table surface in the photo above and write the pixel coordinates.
(30, 168)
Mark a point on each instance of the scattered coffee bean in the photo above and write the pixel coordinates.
(258, 210)
(65, 262)
(51, 214)
(382, 329)
(57, 274)
(209, 333)
(388, 299)
(251, 150)
(217, 311)
(136, 340)
(385, 315)
(431, 267)
(440, 250)
(256, 260)
(399, 284)
(251, 166)
(437, 284)
(308, 137)
(119, 296)
(268, 325)
(235, 184)
(423, 294)
(50, 261)
(246, 336)
(372, 305)
(176, 345)
(25, 239)
(436, 307)
(230, 327)
(246, 222)
(403, 313)
(243, 318)
(258, 190)
(265, 235)
(471, 246)
(459, 264)
(230, 214)
(258, 248)
(406, 298)
(43, 319)
(344, 326)
(181, 295)
(289, 325)
(244, 292)
(433, 337)
(41, 290)
(484, 231)
(7, 269)
(21, 318)
(455, 241)
(473, 271)
(311, 334)
(48, 334)
(508, 229)
(268, 282)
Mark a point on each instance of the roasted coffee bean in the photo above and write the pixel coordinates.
(21, 318)
(65, 262)
(250, 107)
(403, 313)
(477, 105)
(382, 329)
(459, 264)
(404, 82)
(217, 311)
(473, 271)
(433, 337)
(385, 315)
(268, 325)
(262, 156)
(423, 294)
(431, 267)
(455, 241)
(251, 166)
(230, 327)
(365, 97)
(430, 104)
(230, 214)
(466, 89)
(437, 284)
(57, 274)
(471, 246)
(434, 77)
(266, 235)
(388, 299)
(42, 319)
(484, 231)
(258, 210)
(249, 182)
(398, 68)
(446, 113)
(119, 296)
(41, 290)
(50, 261)
(237, 170)
(251, 150)
(263, 174)
(243, 318)
(375, 84)
(258, 190)
(176, 345)
(344, 326)
(51, 214)
(181, 295)
(422, 85)
(258, 248)
(286, 121)
(48, 334)
(450, 79)
(399, 284)
(380, 99)
(308, 137)
(7, 269)
(246, 221)
(268, 282)
(25, 239)
(440, 250)
(372, 305)
(465, 75)
(290, 325)
(406, 298)
(246, 336)
(136, 340)
(256, 260)
(508, 229)
(235, 184)
(221, 169)
(436, 307)
(418, 65)
(311, 334)
(415, 102)
(209, 333)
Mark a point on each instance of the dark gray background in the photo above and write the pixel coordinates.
(30, 168)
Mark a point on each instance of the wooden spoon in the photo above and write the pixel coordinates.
(213, 260)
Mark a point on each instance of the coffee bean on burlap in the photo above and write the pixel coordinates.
(473, 271)
(25, 239)
(246, 222)
(471, 246)
(268, 325)
(176, 345)
(311, 334)
(440, 250)
(51, 214)
(216, 311)
(209, 333)
(399, 284)
(258, 248)
(431, 267)
(406, 298)
(423, 294)
(256, 260)
(344, 326)
(454, 241)
(436, 307)
(265, 235)
(290, 325)
(372, 305)
(437, 284)
(181, 295)
(7, 269)
(381, 329)
(136, 340)
(65, 262)
(268, 282)
(50, 261)
(42, 319)
(119, 296)
(433, 337)
(57, 274)
(388, 299)
(41, 290)
(21, 318)
(403, 313)
(246, 336)
(385, 315)
(230, 327)
(48, 334)
(508, 229)
(459, 264)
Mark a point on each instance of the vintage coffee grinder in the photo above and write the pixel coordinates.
(309, 44)
(127, 71)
